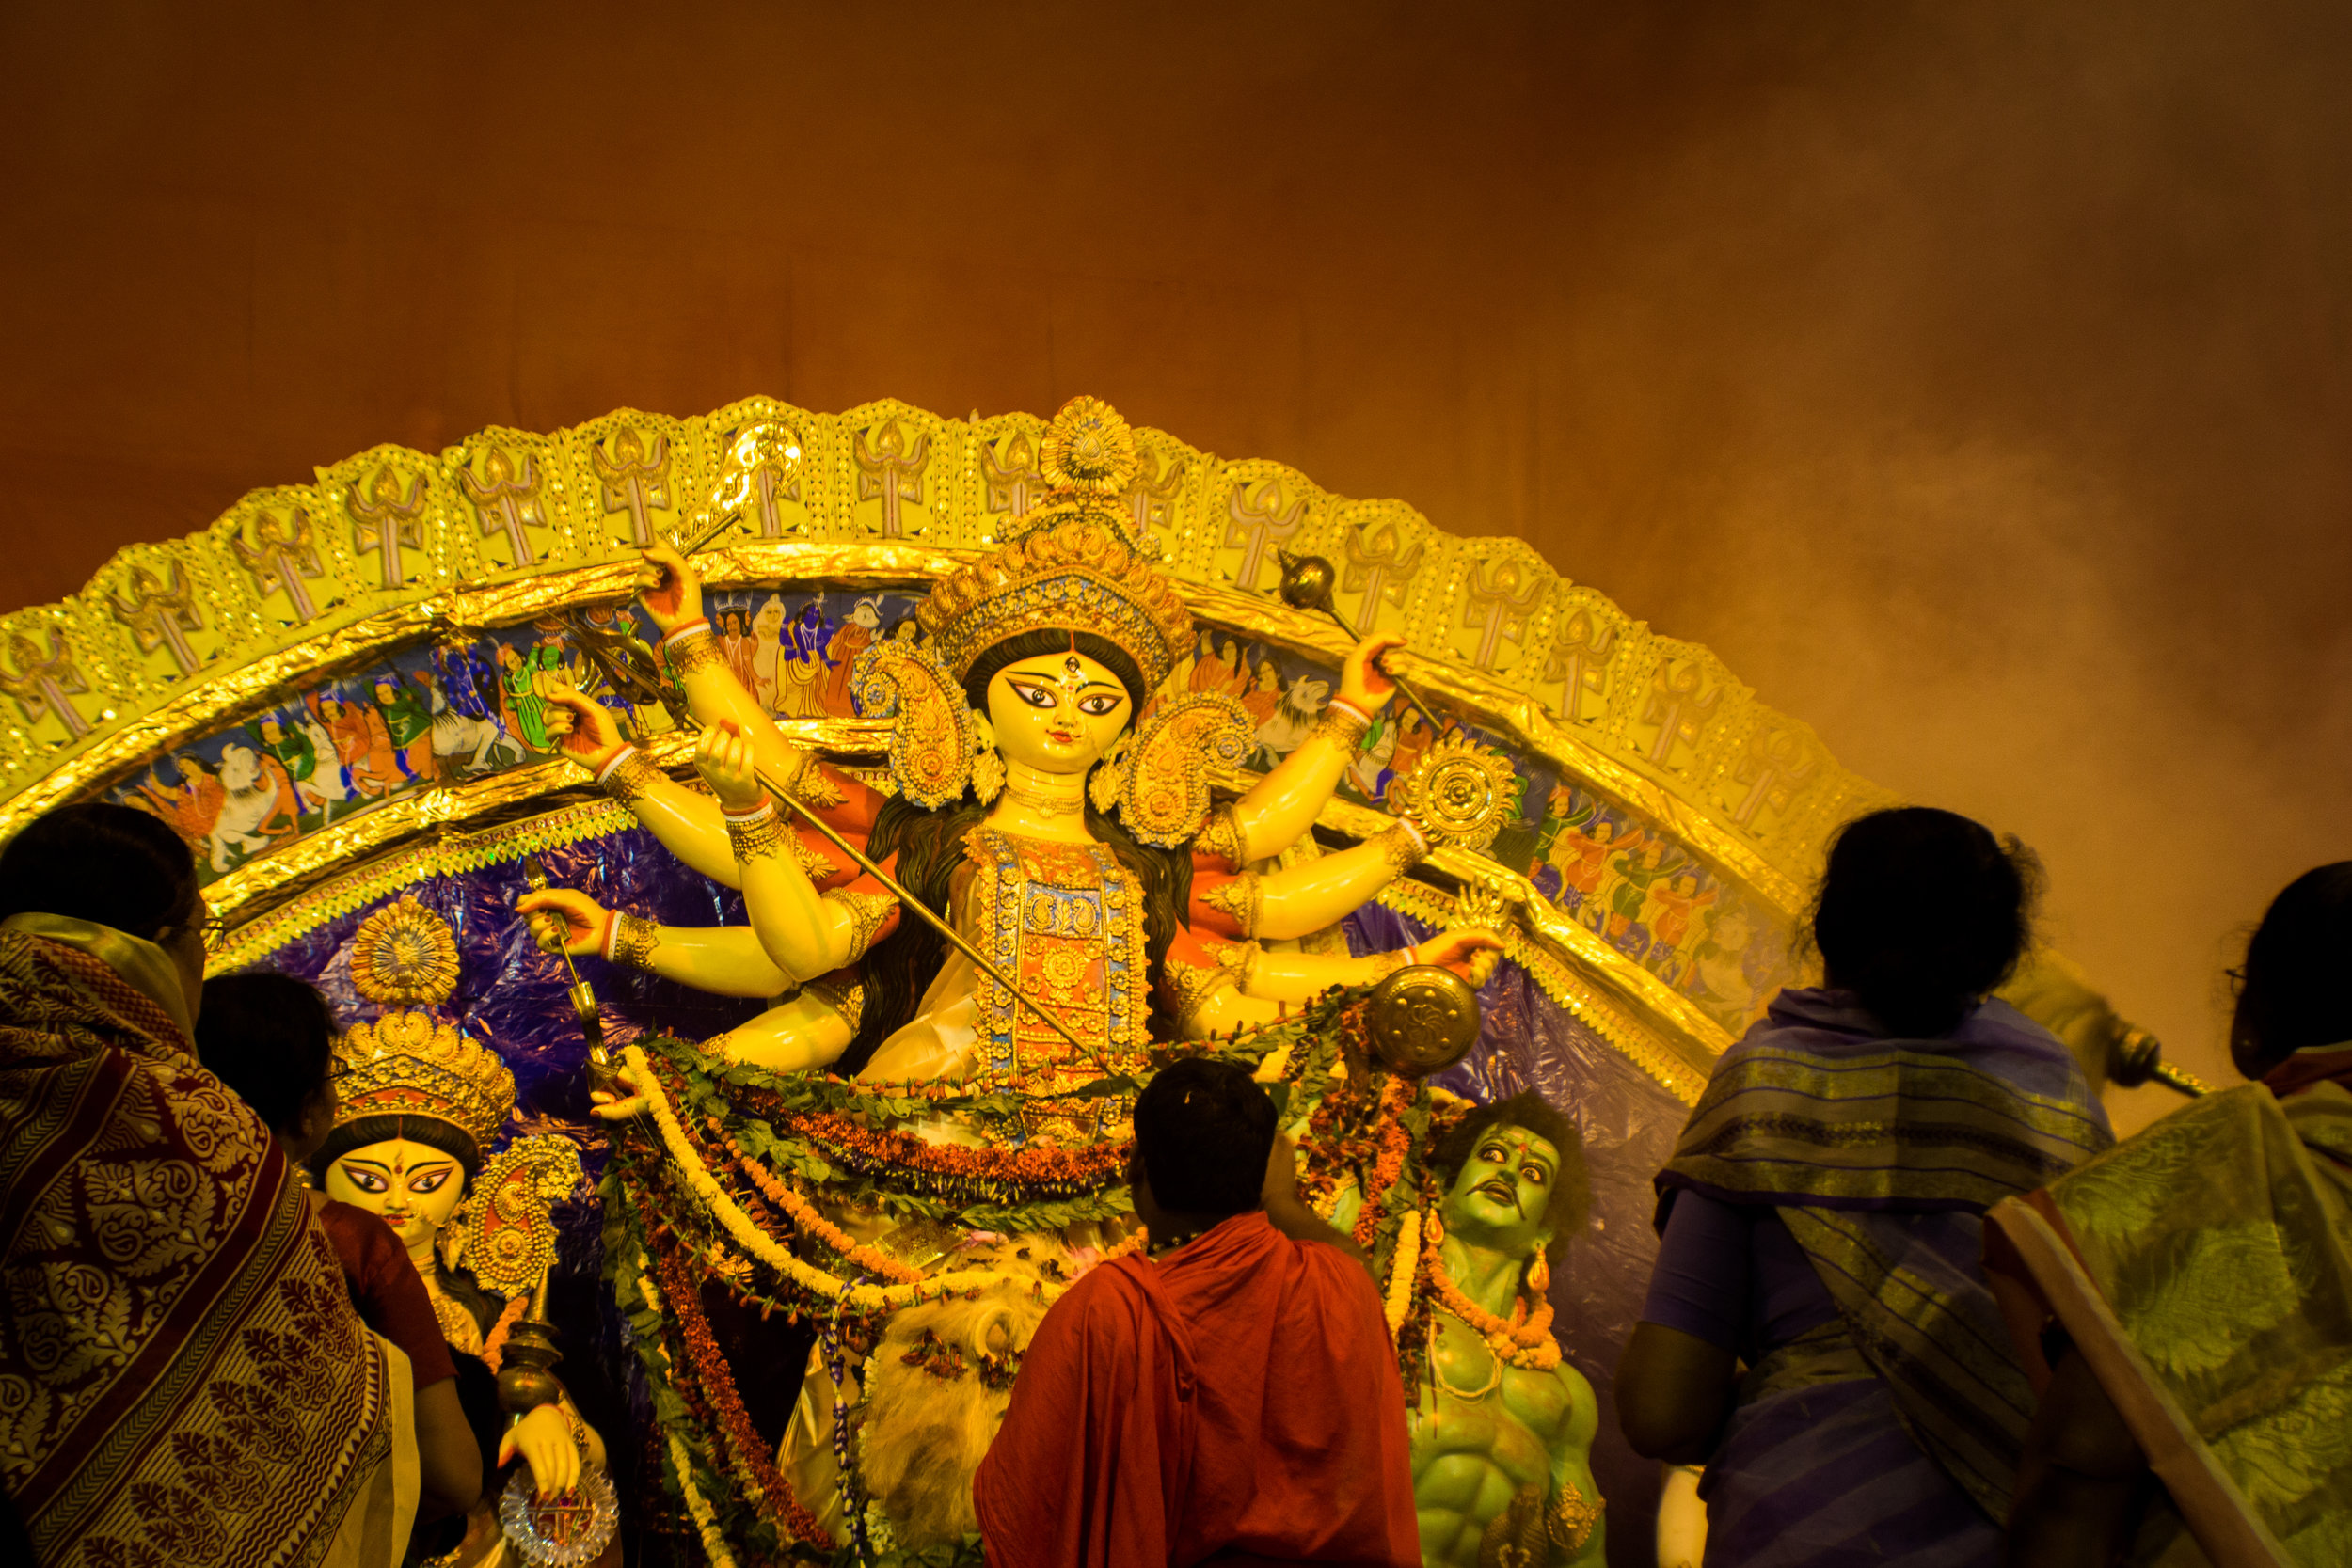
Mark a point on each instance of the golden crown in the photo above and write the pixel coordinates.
(412, 1063)
(1070, 563)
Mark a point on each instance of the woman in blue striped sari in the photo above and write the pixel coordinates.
(1822, 1222)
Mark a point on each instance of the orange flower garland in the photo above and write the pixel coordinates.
(805, 1214)
(1525, 1341)
(715, 1384)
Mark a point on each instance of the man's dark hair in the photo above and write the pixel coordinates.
(113, 864)
(1204, 1129)
(2291, 992)
(1920, 912)
(1571, 1190)
(268, 1036)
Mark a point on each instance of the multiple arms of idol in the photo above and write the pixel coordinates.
(797, 933)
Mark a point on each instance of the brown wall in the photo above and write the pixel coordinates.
(1974, 378)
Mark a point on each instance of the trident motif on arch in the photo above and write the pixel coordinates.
(284, 554)
(1502, 592)
(1777, 767)
(1677, 710)
(503, 499)
(764, 467)
(41, 685)
(1153, 491)
(1253, 524)
(633, 480)
(161, 616)
(1380, 564)
(892, 469)
(383, 519)
(1579, 661)
(1012, 484)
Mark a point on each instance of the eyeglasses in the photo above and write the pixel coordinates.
(213, 931)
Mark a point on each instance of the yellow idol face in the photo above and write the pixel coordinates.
(413, 1187)
(1058, 713)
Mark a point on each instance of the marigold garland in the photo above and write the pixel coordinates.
(1403, 1270)
(757, 1242)
(805, 1214)
(1525, 1341)
(766, 1485)
(1059, 1171)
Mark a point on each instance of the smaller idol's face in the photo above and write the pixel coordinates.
(1059, 713)
(1502, 1193)
(413, 1187)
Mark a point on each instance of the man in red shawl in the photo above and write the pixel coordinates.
(1230, 1398)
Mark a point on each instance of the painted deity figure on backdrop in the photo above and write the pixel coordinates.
(418, 1105)
(1079, 853)
(1502, 1427)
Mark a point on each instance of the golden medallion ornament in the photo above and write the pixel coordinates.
(1089, 449)
(1460, 793)
(404, 954)
(1421, 1019)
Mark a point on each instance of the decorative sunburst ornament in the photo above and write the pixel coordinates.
(1089, 449)
(402, 954)
(1460, 793)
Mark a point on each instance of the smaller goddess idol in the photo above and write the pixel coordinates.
(1051, 802)
(418, 1105)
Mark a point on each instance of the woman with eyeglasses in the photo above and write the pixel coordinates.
(2185, 1303)
(180, 1361)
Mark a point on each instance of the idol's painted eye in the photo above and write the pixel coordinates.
(366, 1180)
(1098, 703)
(429, 1181)
(1535, 1174)
(1036, 696)
(1495, 1152)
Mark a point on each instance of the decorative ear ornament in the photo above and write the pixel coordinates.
(1539, 1277)
(988, 774)
(931, 742)
(1109, 777)
(510, 1236)
(1164, 787)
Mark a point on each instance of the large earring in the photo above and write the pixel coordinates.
(1109, 777)
(1539, 1278)
(988, 763)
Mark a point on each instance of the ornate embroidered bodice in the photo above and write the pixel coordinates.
(1065, 922)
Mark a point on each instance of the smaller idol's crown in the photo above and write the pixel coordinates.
(1071, 564)
(412, 1063)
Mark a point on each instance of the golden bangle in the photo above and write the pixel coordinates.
(845, 997)
(1222, 836)
(1342, 726)
(867, 911)
(633, 941)
(697, 651)
(757, 834)
(630, 778)
(806, 782)
(1403, 848)
(1238, 900)
(1385, 964)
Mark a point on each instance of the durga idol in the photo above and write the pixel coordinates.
(1072, 846)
